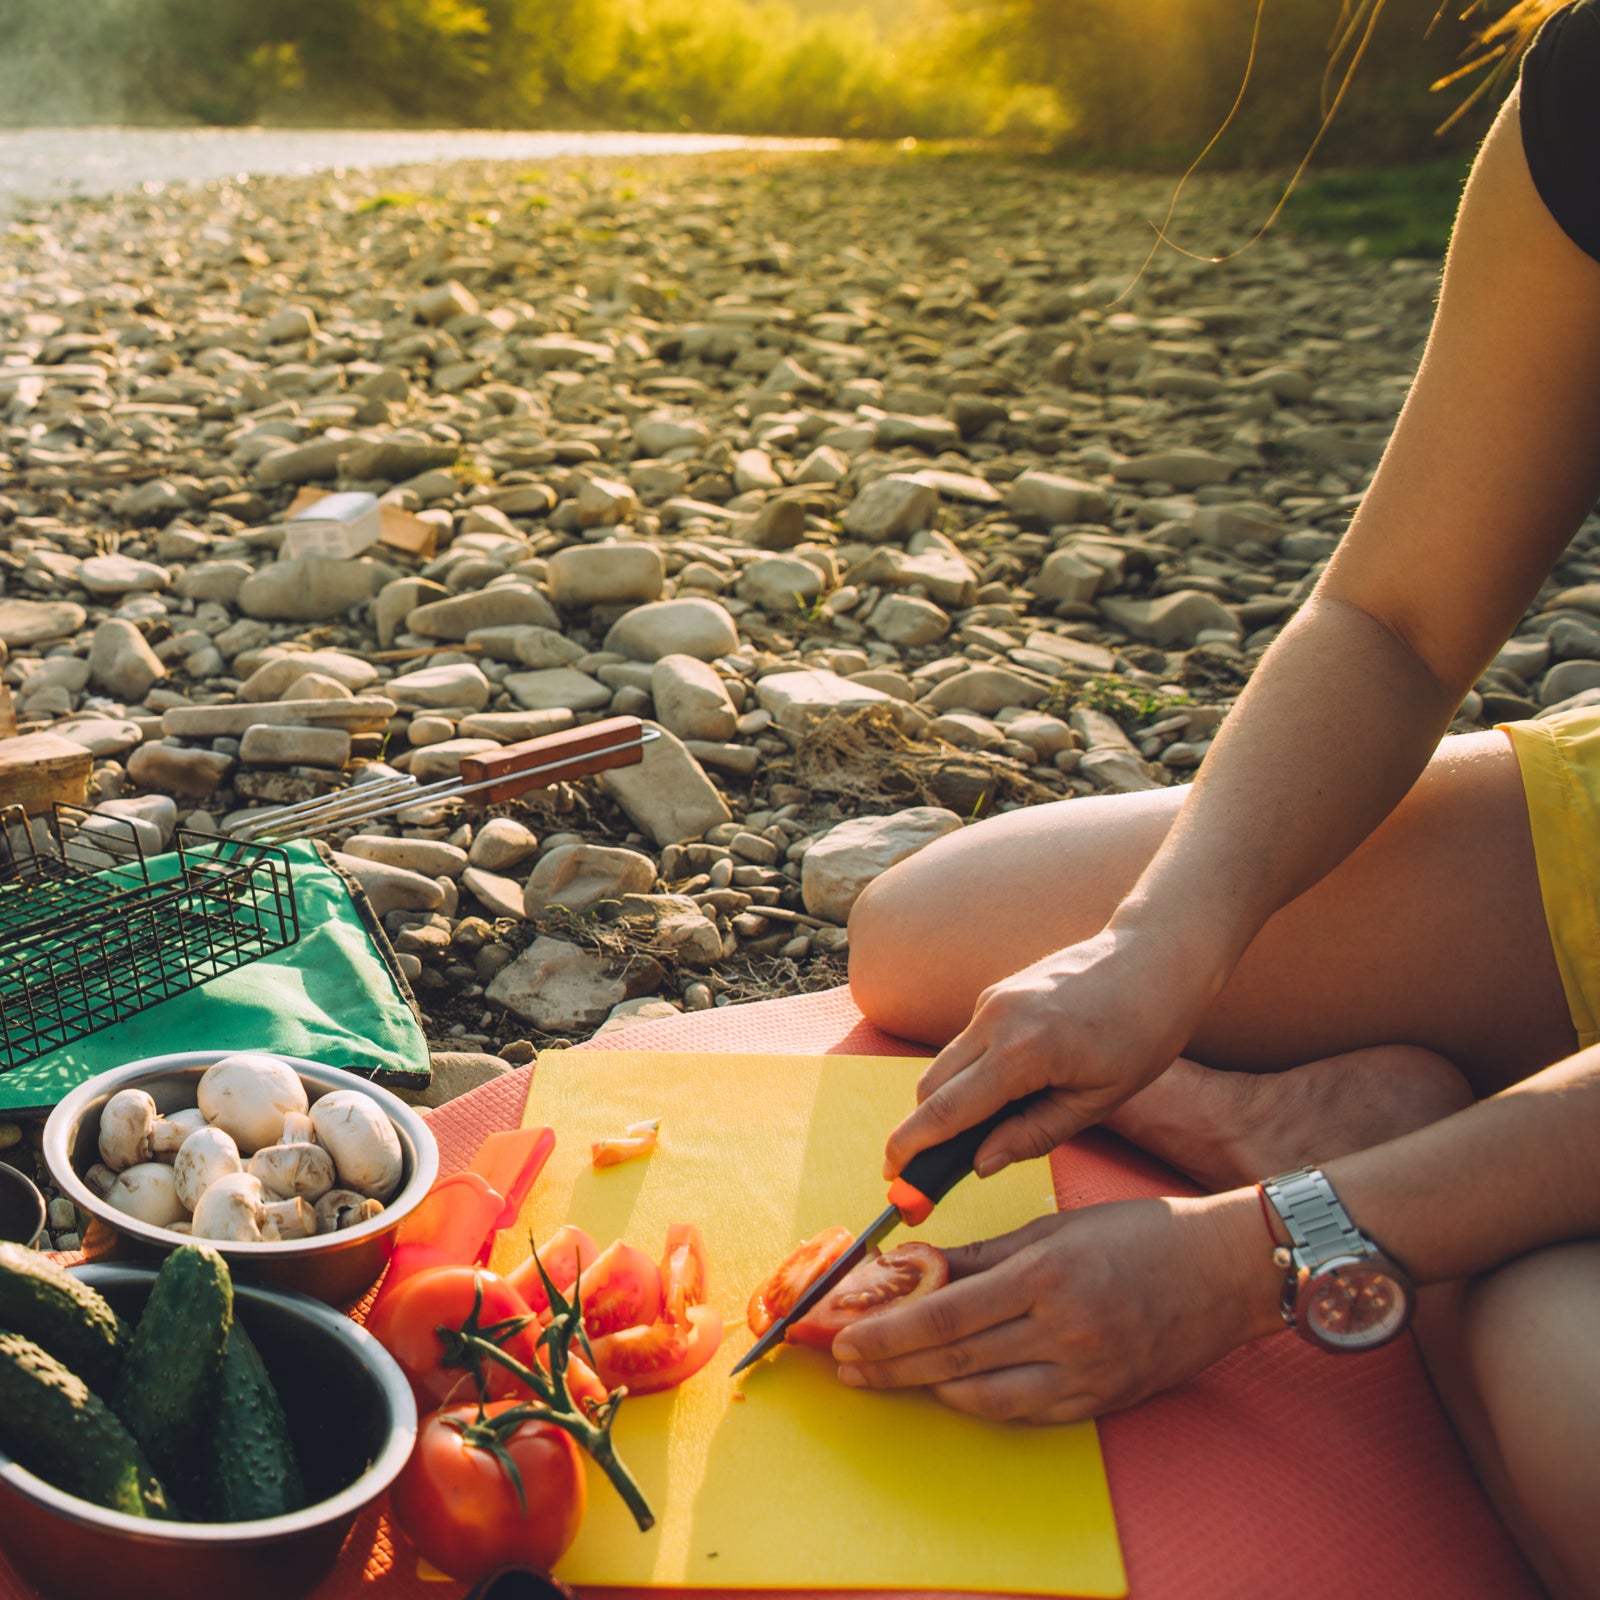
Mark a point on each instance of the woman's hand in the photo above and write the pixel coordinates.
(1079, 1314)
(1083, 1029)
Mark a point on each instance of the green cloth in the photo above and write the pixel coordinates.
(333, 996)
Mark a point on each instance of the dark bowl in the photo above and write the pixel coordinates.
(353, 1422)
(336, 1267)
(21, 1207)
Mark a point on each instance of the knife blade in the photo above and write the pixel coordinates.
(928, 1177)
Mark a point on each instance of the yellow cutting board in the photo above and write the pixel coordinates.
(803, 1484)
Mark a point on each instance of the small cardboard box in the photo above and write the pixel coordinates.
(39, 769)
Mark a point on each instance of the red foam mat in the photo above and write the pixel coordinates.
(1279, 1471)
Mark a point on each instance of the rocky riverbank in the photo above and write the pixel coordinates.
(853, 474)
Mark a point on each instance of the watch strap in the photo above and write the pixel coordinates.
(1319, 1229)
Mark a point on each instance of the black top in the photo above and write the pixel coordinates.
(1561, 120)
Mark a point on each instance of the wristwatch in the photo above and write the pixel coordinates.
(1340, 1291)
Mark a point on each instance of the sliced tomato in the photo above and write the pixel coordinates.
(907, 1272)
(777, 1296)
(563, 1255)
(683, 1271)
(620, 1289)
(661, 1356)
(443, 1297)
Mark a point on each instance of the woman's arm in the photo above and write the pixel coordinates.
(1091, 1311)
(1494, 462)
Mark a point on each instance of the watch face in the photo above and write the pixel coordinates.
(1354, 1303)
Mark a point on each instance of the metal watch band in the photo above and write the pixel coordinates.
(1319, 1226)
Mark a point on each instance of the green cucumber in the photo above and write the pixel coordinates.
(62, 1314)
(55, 1426)
(168, 1383)
(250, 1469)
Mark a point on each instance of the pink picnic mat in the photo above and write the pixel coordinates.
(1278, 1471)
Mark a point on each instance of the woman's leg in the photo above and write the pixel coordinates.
(1431, 933)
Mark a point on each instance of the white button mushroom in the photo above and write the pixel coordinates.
(204, 1157)
(344, 1208)
(362, 1141)
(232, 1208)
(170, 1132)
(288, 1219)
(297, 1129)
(99, 1179)
(294, 1169)
(249, 1094)
(148, 1193)
(127, 1124)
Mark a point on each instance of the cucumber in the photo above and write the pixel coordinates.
(52, 1424)
(168, 1382)
(250, 1467)
(62, 1314)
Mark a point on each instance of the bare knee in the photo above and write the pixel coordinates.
(1528, 1331)
(888, 981)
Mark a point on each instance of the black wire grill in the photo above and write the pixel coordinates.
(91, 931)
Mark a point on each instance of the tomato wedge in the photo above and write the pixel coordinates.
(683, 1271)
(906, 1272)
(661, 1356)
(620, 1289)
(563, 1255)
(777, 1296)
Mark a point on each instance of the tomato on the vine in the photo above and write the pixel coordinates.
(620, 1289)
(777, 1297)
(458, 1503)
(564, 1255)
(907, 1272)
(408, 1320)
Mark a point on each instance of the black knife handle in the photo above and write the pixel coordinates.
(932, 1173)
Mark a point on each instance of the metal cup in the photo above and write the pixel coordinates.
(21, 1207)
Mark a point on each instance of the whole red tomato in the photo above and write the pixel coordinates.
(407, 1327)
(458, 1504)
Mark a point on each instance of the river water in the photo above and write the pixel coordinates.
(47, 163)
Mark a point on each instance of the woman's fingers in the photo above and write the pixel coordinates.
(1017, 1394)
(1007, 1345)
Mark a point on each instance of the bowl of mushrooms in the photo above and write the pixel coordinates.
(299, 1173)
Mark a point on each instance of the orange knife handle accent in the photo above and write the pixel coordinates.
(560, 757)
(913, 1205)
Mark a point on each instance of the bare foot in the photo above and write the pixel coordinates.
(1229, 1128)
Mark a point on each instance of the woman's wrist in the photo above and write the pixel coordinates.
(1238, 1259)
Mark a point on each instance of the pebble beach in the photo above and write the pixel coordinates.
(884, 484)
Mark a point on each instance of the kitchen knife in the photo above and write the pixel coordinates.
(928, 1177)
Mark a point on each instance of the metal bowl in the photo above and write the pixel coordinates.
(336, 1267)
(353, 1423)
(21, 1207)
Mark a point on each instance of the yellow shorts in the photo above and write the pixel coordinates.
(1560, 762)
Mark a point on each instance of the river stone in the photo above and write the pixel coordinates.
(691, 699)
(667, 795)
(604, 503)
(692, 627)
(289, 323)
(1047, 736)
(214, 580)
(154, 811)
(395, 459)
(1566, 679)
(943, 575)
(500, 844)
(390, 888)
(1116, 772)
(1525, 658)
(121, 661)
(907, 622)
(193, 774)
(780, 583)
(269, 746)
(459, 683)
(753, 469)
(966, 731)
(311, 588)
(304, 463)
(429, 858)
(102, 736)
(557, 688)
(681, 927)
(984, 690)
(537, 648)
(498, 895)
(1183, 469)
(1173, 620)
(796, 699)
(495, 607)
(962, 486)
(396, 601)
(443, 757)
(656, 435)
(512, 727)
(891, 508)
(779, 525)
(580, 876)
(605, 574)
(558, 987)
(273, 679)
(1242, 521)
(33, 621)
(633, 1013)
(844, 860)
(1065, 578)
(1052, 498)
(106, 577)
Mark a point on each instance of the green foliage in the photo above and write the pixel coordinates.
(1404, 211)
(1131, 704)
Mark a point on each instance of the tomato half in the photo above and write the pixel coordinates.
(683, 1271)
(621, 1288)
(443, 1297)
(662, 1355)
(563, 1255)
(907, 1272)
(777, 1296)
(459, 1507)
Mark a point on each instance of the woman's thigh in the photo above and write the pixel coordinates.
(1431, 933)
